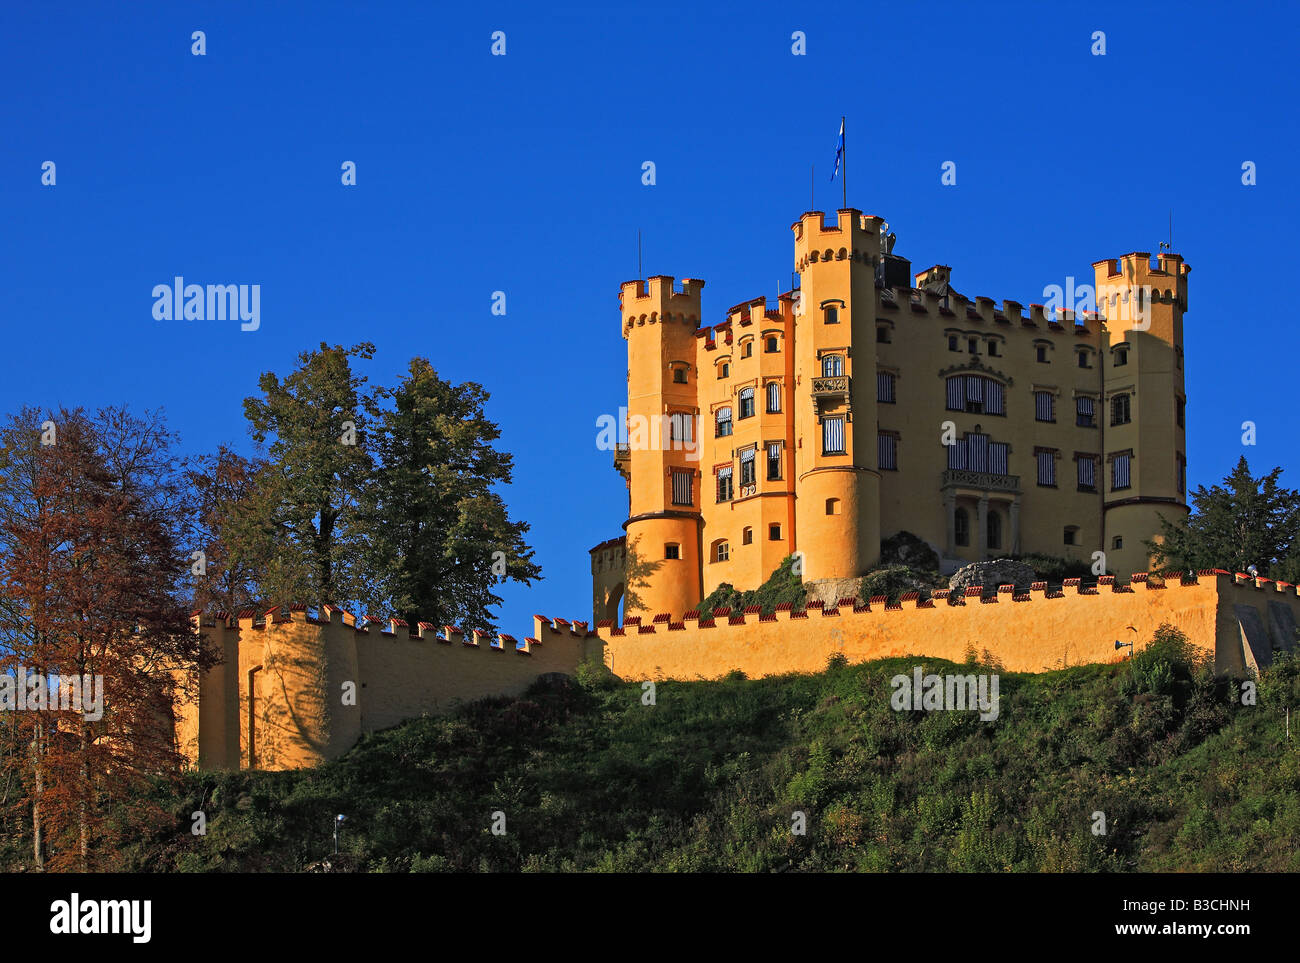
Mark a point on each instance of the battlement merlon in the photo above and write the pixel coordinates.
(659, 298)
(854, 236)
(1134, 270)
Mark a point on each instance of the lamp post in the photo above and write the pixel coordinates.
(338, 822)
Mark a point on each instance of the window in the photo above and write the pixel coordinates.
(774, 461)
(1040, 352)
(833, 435)
(683, 487)
(994, 523)
(832, 365)
(672, 550)
(747, 348)
(725, 489)
(1083, 360)
(885, 387)
(887, 451)
(974, 452)
(993, 349)
(882, 334)
(771, 346)
(721, 551)
(1085, 411)
(724, 370)
(1046, 467)
(1182, 473)
(681, 427)
(976, 394)
(723, 423)
(961, 526)
(773, 397)
(1119, 471)
(746, 402)
(1071, 534)
(746, 468)
(1117, 542)
(1044, 406)
(832, 315)
(1120, 358)
(832, 506)
(972, 345)
(1120, 413)
(952, 343)
(774, 533)
(1180, 409)
(746, 536)
(679, 376)
(1178, 358)
(1087, 469)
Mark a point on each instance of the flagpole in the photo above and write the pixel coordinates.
(844, 161)
(812, 189)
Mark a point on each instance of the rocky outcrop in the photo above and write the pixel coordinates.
(989, 575)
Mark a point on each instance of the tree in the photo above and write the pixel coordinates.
(301, 521)
(225, 488)
(438, 535)
(88, 590)
(1244, 521)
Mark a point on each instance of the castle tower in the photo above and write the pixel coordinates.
(1144, 420)
(663, 427)
(837, 511)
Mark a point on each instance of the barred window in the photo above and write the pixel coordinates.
(977, 394)
(1120, 411)
(683, 485)
(1046, 468)
(832, 366)
(1087, 467)
(773, 397)
(747, 467)
(723, 426)
(774, 461)
(1119, 474)
(833, 435)
(725, 490)
(885, 387)
(887, 451)
(1085, 410)
(746, 402)
(1044, 406)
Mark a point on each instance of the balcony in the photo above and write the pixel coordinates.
(623, 459)
(828, 391)
(982, 480)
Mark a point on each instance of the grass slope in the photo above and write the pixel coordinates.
(708, 778)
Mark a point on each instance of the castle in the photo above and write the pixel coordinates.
(861, 406)
(871, 401)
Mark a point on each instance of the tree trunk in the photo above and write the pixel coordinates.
(38, 787)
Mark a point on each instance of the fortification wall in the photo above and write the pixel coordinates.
(294, 691)
(1031, 632)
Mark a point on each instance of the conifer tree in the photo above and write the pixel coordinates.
(1243, 521)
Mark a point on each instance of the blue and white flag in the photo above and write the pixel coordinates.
(839, 152)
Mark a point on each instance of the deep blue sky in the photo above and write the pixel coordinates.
(523, 174)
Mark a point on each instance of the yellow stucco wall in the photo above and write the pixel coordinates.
(1035, 634)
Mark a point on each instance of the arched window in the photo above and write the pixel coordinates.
(746, 536)
(994, 522)
(961, 526)
(832, 366)
(832, 506)
(832, 314)
(723, 426)
(772, 346)
(747, 348)
(721, 550)
(746, 402)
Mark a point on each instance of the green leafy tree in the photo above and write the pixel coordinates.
(1244, 521)
(303, 519)
(439, 537)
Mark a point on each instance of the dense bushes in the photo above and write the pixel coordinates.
(783, 585)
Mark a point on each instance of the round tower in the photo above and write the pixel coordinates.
(663, 527)
(837, 508)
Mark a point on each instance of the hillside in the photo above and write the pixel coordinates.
(707, 779)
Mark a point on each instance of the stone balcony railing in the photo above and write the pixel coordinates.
(987, 481)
